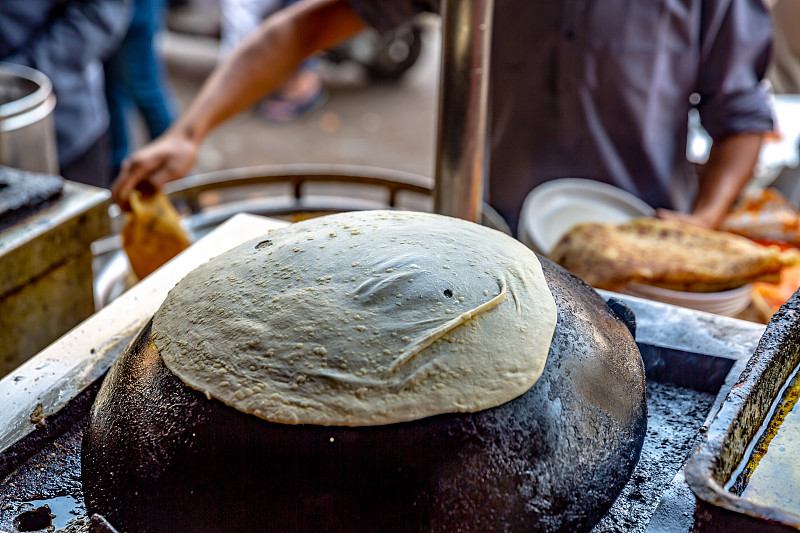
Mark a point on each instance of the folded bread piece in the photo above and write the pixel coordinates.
(152, 234)
(668, 255)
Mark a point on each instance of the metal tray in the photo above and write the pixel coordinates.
(692, 360)
(737, 424)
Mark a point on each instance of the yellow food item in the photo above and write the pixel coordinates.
(152, 235)
(668, 255)
(362, 318)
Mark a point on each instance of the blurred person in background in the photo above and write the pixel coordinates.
(135, 81)
(68, 40)
(301, 92)
(597, 90)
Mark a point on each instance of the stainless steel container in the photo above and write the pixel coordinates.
(27, 133)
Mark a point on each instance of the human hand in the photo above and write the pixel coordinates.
(166, 159)
(686, 218)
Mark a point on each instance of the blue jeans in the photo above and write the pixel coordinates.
(136, 80)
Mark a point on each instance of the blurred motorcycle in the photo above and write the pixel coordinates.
(385, 57)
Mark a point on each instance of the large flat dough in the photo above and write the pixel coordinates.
(362, 318)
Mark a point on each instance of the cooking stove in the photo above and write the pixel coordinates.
(692, 360)
(46, 227)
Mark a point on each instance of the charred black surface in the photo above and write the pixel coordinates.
(22, 193)
(34, 520)
(53, 472)
(158, 455)
(48, 430)
(674, 416)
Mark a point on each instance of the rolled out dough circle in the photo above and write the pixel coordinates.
(362, 318)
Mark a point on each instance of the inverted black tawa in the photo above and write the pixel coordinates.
(160, 456)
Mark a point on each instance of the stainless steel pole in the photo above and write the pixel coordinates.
(463, 95)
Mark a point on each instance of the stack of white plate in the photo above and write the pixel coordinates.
(728, 303)
(553, 208)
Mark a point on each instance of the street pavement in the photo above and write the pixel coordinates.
(390, 125)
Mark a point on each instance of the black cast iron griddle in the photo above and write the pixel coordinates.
(552, 459)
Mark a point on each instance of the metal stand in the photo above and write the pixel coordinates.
(463, 95)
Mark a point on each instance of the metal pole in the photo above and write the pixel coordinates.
(463, 92)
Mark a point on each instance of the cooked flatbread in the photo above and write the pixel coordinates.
(152, 234)
(362, 318)
(666, 254)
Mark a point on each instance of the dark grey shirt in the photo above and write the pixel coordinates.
(67, 40)
(601, 89)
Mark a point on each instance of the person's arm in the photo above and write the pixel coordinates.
(733, 107)
(257, 67)
(729, 168)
